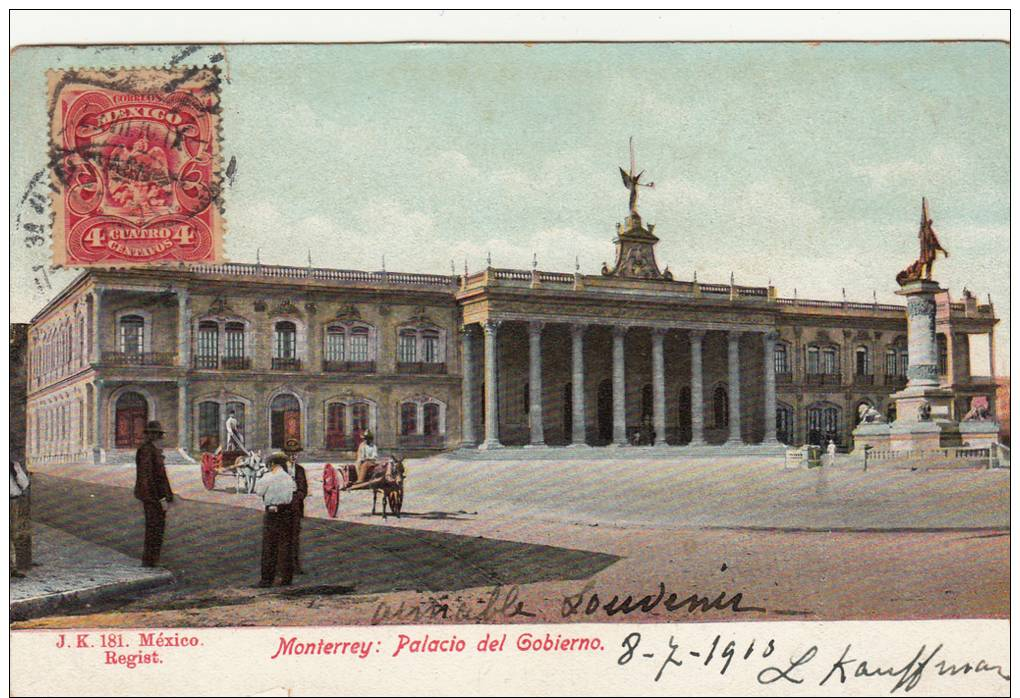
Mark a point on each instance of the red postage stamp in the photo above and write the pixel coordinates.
(135, 165)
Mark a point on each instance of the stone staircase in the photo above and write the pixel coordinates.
(126, 456)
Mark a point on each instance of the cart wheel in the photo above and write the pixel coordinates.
(330, 489)
(395, 498)
(208, 470)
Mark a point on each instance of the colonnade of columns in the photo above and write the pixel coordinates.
(577, 436)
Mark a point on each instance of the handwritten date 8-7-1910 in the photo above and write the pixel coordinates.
(717, 655)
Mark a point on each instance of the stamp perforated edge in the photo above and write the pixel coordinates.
(158, 75)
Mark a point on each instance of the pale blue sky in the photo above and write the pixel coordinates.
(803, 164)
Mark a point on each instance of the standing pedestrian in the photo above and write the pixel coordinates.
(153, 489)
(277, 491)
(297, 508)
(20, 530)
(830, 459)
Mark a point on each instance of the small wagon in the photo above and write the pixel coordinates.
(246, 468)
(385, 475)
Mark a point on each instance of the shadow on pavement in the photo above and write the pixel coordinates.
(216, 548)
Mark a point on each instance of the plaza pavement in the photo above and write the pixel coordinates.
(820, 544)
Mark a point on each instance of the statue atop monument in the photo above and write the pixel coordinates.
(930, 246)
(632, 181)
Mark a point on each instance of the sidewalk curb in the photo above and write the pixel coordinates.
(48, 604)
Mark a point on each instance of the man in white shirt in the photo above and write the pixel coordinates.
(277, 489)
(235, 439)
(368, 452)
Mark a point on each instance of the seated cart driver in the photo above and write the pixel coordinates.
(368, 452)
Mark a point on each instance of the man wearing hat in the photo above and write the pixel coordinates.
(366, 456)
(153, 489)
(277, 491)
(297, 504)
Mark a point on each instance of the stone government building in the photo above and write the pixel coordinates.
(496, 358)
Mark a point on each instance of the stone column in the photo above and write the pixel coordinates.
(578, 437)
(183, 329)
(922, 351)
(697, 391)
(535, 383)
(770, 386)
(658, 387)
(98, 447)
(467, 398)
(991, 354)
(619, 388)
(95, 320)
(491, 328)
(734, 381)
(183, 416)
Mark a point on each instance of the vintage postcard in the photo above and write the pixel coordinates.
(521, 368)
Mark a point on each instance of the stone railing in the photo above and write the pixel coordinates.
(864, 379)
(931, 459)
(823, 378)
(324, 274)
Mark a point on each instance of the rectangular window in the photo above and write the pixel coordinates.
(234, 341)
(359, 344)
(812, 360)
(208, 345)
(335, 345)
(208, 426)
(829, 364)
(408, 419)
(430, 347)
(286, 341)
(407, 350)
(780, 359)
(431, 420)
(890, 363)
(335, 418)
(132, 328)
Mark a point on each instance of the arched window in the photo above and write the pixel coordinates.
(421, 348)
(208, 353)
(284, 420)
(830, 361)
(784, 423)
(336, 425)
(408, 419)
(422, 423)
(782, 359)
(132, 334)
(407, 347)
(359, 344)
(862, 361)
(285, 346)
(721, 406)
(430, 346)
(890, 362)
(336, 344)
(824, 424)
(813, 364)
(430, 421)
(234, 356)
(208, 426)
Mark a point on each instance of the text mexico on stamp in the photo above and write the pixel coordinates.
(135, 166)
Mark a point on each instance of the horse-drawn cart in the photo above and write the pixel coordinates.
(245, 467)
(385, 475)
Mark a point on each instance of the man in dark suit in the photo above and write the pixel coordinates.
(153, 489)
(292, 448)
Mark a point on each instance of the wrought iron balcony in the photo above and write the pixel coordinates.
(286, 364)
(206, 362)
(348, 366)
(784, 378)
(143, 358)
(897, 381)
(235, 363)
(823, 378)
(421, 367)
(864, 379)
